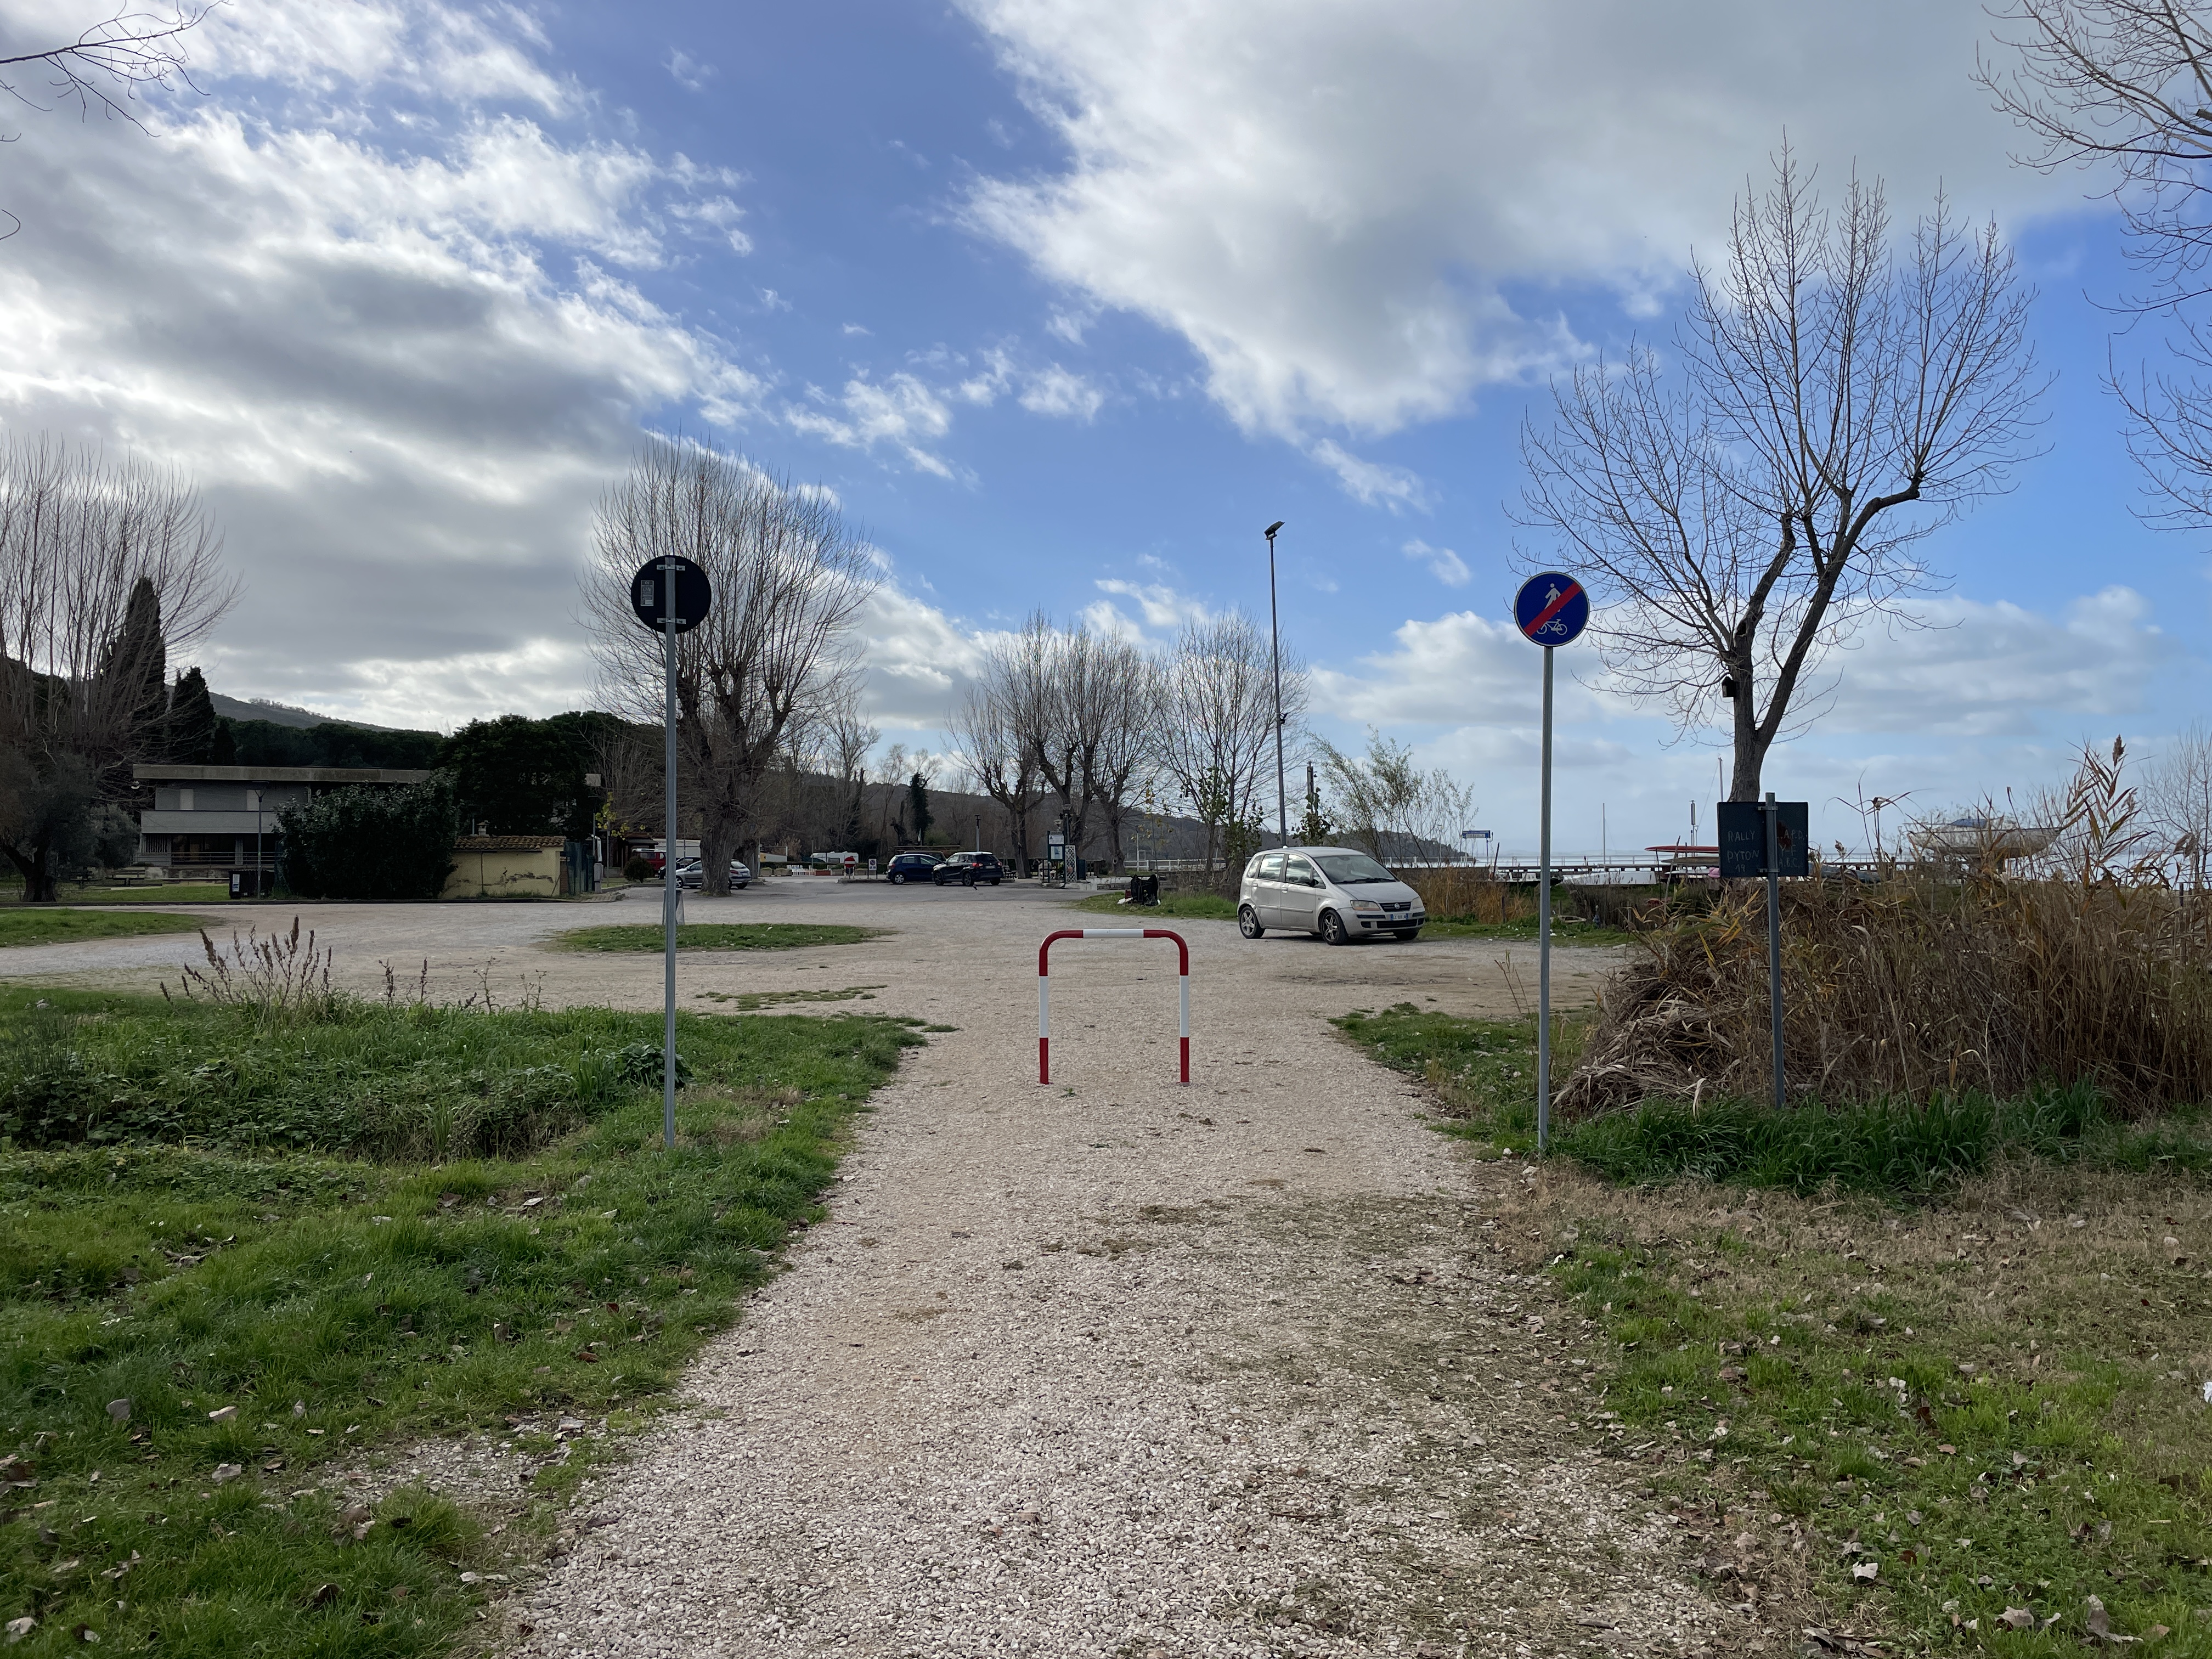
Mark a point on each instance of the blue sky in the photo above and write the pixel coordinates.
(1066, 301)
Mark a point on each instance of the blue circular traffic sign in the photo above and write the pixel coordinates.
(1552, 608)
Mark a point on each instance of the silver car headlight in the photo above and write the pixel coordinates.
(1365, 904)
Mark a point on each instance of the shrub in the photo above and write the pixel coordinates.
(373, 841)
(638, 869)
(1915, 985)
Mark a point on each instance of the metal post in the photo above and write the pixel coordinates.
(1774, 935)
(1544, 930)
(668, 870)
(1275, 634)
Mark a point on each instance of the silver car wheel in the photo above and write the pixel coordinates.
(1248, 922)
(1333, 929)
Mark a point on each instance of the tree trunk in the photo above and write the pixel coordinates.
(39, 883)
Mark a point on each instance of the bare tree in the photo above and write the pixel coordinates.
(1129, 686)
(2125, 86)
(104, 567)
(1216, 721)
(1836, 403)
(993, 749)
(848, 741)
(789, 579)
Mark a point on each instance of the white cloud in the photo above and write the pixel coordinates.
(687, 72)
(1162, 605)
(1983, 668)
(918, 661)
(1352, 212)
(900, 412)
(401, 359)
(1446, 566)
(1986, 670)
(1055, 391)
(1371, 481)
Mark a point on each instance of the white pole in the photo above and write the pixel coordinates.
(1543, 932)
(668, 867)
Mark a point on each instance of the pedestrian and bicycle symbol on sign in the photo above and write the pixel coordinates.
(1552, 608)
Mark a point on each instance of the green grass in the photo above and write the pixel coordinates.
(1999, 1339)
(1182, 907)
(2029, 1455)
(341, 1304)
(716, 936)
(1483, 1073)
(40, 926)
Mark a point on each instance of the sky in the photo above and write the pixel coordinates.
(1065, 302)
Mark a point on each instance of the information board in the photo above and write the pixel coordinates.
(1743, 838)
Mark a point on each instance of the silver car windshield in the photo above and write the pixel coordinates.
(1351, 869)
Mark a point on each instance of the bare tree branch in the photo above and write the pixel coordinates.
(1836, 403)
(777, 648)
(2125, 87)
(102, 69)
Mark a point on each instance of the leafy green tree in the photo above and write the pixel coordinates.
(373, 841)
(192, 722)
(518, 776)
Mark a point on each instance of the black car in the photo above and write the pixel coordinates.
(968, 869)
(910, 866)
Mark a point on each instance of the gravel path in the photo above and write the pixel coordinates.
(1119, 1368)
(1110, 1368)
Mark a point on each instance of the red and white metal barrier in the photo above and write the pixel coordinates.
(1044, 987)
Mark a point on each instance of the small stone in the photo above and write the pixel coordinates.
(222, 1414)
(228, 1472)
(119, 1410)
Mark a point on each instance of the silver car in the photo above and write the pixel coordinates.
(1335, 891)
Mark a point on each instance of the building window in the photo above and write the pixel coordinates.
(183, 800)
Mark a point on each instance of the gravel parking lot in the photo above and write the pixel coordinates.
(1110, 1368)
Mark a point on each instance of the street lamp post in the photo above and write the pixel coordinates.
(1275, 634)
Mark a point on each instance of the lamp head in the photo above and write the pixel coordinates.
(1270, 532)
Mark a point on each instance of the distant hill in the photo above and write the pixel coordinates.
(282, 714)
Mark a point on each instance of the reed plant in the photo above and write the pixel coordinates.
(2091, 967)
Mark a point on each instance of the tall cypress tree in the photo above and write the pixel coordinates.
(191, 720)
(134, 674)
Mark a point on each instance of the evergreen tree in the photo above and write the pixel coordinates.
(917, 800)
(133, 672)
(191, 720)
(223, 750)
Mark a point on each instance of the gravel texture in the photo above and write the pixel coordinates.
(1112, 1367)
(1119, 1368)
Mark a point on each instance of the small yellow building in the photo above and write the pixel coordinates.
(507, 867)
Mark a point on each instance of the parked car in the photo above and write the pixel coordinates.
(911, 866)
(1337, 892)
(968, 869)
(692, 873)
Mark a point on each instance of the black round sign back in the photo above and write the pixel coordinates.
(649, 593)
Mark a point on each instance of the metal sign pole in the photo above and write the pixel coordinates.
(1543, 932)
(1773, 816)
(668, 872)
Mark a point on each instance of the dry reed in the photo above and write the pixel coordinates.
(1913, 985)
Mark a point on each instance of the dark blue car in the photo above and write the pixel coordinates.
(911, 866)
